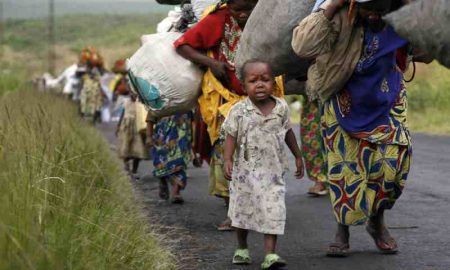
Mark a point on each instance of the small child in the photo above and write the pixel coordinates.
(130, 140)
(256, 129)
(171, 141)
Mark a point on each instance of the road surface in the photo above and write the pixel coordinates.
(420, 221)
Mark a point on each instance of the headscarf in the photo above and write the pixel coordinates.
(119, 66)
(89, 56)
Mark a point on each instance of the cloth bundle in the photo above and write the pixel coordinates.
(165, 82)
(268, 34)
(424, 23)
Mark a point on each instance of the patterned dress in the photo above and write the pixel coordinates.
(91, 97)
(257, 190)
(172, 147)
(311, 138)
(367, 142)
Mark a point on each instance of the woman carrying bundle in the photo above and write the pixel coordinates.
(367, 142)
(212, 43)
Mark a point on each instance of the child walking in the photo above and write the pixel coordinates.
(130, 138)
(171, 141)
(256, 129)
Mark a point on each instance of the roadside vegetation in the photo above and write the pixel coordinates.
(65, 202)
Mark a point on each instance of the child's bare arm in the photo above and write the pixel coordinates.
(229, 148)
(291, 142)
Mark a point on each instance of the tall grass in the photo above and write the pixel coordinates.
(64, 203)
(429, 100)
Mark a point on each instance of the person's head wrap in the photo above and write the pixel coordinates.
(91, 58)
(119, 66)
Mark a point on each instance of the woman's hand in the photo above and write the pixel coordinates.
(220, 71)
(228, 168)
(300, 168)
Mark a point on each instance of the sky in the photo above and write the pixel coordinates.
(23, 9)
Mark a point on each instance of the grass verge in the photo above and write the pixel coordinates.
(65, 204)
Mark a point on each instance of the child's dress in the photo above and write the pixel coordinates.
(131, 144)
(257, 190)
(172, 147)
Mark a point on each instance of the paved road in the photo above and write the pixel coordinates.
(419, 221)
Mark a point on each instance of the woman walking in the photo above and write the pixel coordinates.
(367, 142)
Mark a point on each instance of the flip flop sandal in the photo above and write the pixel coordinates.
(225, 226)
(383, 247)
(272, 261)
(242, 257)
(338, 250)
(177, 200)
(316, 192)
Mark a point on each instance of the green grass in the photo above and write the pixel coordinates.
(78, 31)
(429, 100)
(65, 204)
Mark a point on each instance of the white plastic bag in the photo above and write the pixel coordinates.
(165, 82)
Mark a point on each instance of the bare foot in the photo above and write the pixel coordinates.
(341, 247)
(383, 240)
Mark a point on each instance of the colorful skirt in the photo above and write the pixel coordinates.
(312, 143)
(365, 175)
(172, 146)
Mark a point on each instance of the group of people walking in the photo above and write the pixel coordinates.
(354, 133)
(355, 143)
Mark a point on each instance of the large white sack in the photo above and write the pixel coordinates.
(425, 24)
(268, 34)
(165, 82)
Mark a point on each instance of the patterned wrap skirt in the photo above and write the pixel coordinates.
(368, 173)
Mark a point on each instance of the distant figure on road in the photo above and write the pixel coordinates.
(131, 136)
(367, 142)
(256, 130)
(91, 96)
(171, 141)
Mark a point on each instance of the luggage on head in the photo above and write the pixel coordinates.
(268, 34)
(424, 23)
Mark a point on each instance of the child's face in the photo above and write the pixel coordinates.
(241, 10)
(258, 81)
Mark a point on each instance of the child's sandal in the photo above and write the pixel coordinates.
(242, 257)
(272, 261)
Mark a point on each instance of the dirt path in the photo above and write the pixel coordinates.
(420, 221)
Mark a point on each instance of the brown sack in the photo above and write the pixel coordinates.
(268, 34)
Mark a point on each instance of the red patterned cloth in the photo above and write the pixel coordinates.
(220, 33)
